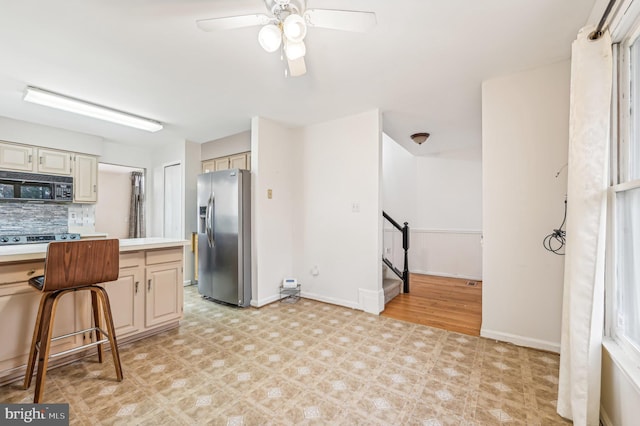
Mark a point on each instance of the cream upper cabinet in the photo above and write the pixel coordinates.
(85, 179)
(208, 166)
(16, 157)
(221, 163)
(238, 161)
(235, 161)
(54, 162)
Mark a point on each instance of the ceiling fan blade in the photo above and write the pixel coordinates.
(297, 67)
(231, 22)
(345, 20)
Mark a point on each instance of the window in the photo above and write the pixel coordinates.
(623, 287)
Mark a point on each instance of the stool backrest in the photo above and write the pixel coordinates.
(72, 264)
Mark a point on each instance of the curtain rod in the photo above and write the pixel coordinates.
(598, 32)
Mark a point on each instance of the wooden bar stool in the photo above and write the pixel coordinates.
(73, 266)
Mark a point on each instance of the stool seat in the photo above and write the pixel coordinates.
(73, 266)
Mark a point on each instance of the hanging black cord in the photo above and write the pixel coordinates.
(555, 241)
(598, 32)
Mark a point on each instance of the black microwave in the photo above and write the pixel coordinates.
(19, 186)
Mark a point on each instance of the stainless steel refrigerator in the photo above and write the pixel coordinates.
(224, 236)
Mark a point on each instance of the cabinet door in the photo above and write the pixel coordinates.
(238, 161)
(163, 293)
(18, 310)
(85, 179)
(54, 162)
(16, 157)
(221, 163)
(208, 166)
(126, 297)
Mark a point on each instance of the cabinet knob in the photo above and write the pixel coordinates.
(31, 272)
(137, 283)
(149, 286)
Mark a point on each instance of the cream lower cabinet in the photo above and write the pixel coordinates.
(19, 304)
(148, 292)
(126, 295)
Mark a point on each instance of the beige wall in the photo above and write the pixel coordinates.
(112, 208)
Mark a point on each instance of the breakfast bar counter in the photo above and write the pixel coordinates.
(146, 299)
(22, 252)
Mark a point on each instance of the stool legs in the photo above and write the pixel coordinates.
(45, 344)
(37, 331)
(106, 308)
(96, 322)
(43, 329)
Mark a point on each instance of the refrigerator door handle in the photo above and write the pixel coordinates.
(213, 212)
(208, 223)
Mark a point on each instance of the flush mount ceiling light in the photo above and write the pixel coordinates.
(419, 138)
(77, 106)
(285, 26)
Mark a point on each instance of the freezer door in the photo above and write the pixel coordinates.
(205, 267)
(224, 236)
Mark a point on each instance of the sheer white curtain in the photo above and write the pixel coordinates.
(583, 302)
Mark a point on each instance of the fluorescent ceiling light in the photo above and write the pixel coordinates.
(54, 100)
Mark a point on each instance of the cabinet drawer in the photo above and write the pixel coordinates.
(164, 255)
(20, 272)
(130, 259)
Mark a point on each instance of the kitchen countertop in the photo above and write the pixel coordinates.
(24, 252)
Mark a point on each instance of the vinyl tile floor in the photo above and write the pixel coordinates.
(306, 363)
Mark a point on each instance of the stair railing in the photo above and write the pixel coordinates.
(404, 274)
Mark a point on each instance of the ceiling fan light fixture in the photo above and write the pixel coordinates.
(419, 138)
(270, 38)
(295, 50)
(294, 28)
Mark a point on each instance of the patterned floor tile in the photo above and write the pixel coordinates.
(305, 363)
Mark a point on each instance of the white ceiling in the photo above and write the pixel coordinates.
(422, 65)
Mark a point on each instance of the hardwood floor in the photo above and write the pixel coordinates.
(447, 303)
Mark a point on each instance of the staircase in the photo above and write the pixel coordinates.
(396, 281)
(391, 287)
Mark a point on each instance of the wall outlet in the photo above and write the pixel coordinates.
(269, 194)
(315, 271)
(355, 207)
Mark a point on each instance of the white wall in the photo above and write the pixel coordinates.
(619, 396)
(222, 147)
(441, 198)
(342, 168)
(525, 120)
(399, 173)
(317, 174)
(191, 171)
(35, 134)
(276, 166)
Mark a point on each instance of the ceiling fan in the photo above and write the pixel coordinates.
(285, 25)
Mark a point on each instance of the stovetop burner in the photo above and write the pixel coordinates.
(6, 240)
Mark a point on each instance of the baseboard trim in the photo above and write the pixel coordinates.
(371, 301)
(521, 340)
(331, 300)
(265, 301)
(445, 274)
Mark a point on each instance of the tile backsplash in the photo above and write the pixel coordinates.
(82, 218)
(33, 218)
